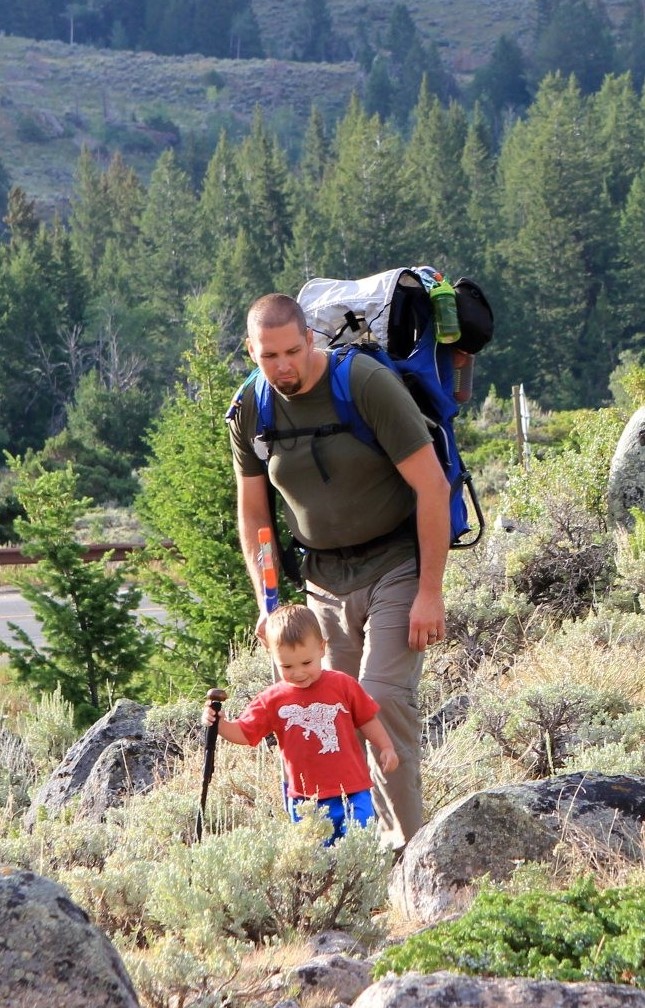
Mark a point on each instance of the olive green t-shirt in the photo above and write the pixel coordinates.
(364, 497)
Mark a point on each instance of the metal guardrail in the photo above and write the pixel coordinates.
(11, 556)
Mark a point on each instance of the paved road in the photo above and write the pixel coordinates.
(14, 609)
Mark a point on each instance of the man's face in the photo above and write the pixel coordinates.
(284, 355)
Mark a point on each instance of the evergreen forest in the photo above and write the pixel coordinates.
(94, 308)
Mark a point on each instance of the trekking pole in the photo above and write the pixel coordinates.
(270, 582)
(216, 698)
(269, 574)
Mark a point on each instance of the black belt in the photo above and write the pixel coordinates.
(406, 530)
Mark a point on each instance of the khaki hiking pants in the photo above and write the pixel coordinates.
(367, 637)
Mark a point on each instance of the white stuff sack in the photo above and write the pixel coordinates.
(326, 302)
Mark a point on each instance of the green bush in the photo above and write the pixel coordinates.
(577, 934)
(538, 726)
(48, 729)
(275, 879)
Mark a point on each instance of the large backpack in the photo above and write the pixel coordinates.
(390, 317)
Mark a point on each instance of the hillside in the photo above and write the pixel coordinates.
(466, 30)
(55, 97)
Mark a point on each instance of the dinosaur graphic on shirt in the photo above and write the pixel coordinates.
(318, 718)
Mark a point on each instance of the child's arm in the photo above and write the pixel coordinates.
(228, 730)
(376, 734)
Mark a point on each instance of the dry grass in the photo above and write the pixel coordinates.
(619, 668)
(579, 852)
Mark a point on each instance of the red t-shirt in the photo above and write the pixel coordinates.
(316, 731)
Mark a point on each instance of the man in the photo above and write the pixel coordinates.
(375, 526)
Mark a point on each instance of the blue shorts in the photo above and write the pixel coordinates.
(357, 807)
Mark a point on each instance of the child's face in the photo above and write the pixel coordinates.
(299, 665)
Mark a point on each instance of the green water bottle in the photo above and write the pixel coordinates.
(444, 307)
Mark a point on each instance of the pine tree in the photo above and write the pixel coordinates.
(21, 219)
(90, 217)
(631, 55)
(223, 205)
(618, 121)
(305, 252)
(434, 173)
(479, 198)
(363, 204)
(630, 291)
(379, 89)
(93, 643)
(234, 285)
(42, 299)
(189, 498)
(591, 57)
(267, 216)
(556, 217)
(312, 32)
(168, 240)
(315, 152)
(501, 84)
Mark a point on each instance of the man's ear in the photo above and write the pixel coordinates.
(249, 349)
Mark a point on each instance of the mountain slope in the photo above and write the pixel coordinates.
(55, 97)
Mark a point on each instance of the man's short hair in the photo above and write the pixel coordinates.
(291, 625)
(274, 310)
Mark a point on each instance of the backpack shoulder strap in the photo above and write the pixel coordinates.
(340, 365)
(236, 401)
(263, 399)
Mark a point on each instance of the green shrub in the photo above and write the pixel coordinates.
(30, 129)
(569, 479)
(177, 722)
(537, 726)
(275, 879)
(170, 967)
(16, 774)
(213, 78)
(48, 729)
(576, 934)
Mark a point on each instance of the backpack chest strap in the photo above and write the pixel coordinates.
(324, 430)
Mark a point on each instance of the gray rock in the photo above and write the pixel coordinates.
(626, 486)
(115, 758)
(449, 715)
(336, 941)
(342, 976)
(491, 831)
(447, 990)
(125, 720)
(128, 766)
(51, 956)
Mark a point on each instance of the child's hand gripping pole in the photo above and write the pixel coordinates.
(269, 573)
(216, 698)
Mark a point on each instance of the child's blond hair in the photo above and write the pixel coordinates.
(292, 624)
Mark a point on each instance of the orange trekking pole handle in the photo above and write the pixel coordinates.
(269, 573)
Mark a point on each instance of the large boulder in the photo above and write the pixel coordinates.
(491, 831)
(626, 488)
(115, 758)
(51, 956)
(438, 990)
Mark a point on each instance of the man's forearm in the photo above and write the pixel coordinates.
(433, 531)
